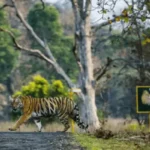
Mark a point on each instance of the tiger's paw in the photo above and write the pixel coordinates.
(12, 129)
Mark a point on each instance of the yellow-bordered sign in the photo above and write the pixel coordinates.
(143, 99)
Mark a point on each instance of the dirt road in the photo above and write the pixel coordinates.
(37, 141)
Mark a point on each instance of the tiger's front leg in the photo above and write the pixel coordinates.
(38, 124)
(21, 120)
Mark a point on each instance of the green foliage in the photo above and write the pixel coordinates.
(100, 114)
(40, 87)
(64, 56)
(57, 89)
(146, 37)
(46, 22)
(47, 25)
(135, 127)
(143, 18)
(104, 11)
(4, 18)
(93, 143)
(7, 53)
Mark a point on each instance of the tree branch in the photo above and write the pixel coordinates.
(108, 22)
(36, 53)
(87, 7)
(44, 45)
(129, 63)
(77, 29)
(103, 70)
(77, 58)
(80, 7)
(43, 6)
(5, 5)
(28, 27)
(99, 26)
(100, 72)
(19, 47)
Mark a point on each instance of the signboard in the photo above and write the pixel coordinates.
(143, 99)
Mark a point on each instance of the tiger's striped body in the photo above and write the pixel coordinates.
(36, 108)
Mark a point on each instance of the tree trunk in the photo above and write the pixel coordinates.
(83, 45)
(89, 111)
(88, 87)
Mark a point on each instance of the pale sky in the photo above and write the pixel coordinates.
(120, 5)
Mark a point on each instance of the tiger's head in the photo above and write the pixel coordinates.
(16, 103)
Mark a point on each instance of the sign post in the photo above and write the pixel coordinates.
(71, 93)
(143, 100)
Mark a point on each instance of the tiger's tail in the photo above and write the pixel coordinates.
(75, 116)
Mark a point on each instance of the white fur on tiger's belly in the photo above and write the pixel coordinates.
(36, 114)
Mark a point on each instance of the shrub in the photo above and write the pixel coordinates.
(58, 89)
(40, 87)
(135, 127)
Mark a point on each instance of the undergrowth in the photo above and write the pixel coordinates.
(117, 135)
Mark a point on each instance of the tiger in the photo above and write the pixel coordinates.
(62, 107)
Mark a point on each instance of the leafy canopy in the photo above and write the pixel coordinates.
(46, 24)
(8, 55)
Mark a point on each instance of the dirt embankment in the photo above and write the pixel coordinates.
(37, 141)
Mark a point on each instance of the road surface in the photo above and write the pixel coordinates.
(37, 141)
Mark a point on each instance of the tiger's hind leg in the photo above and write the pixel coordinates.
(76, 117)
(38, 124)
(65, 122)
